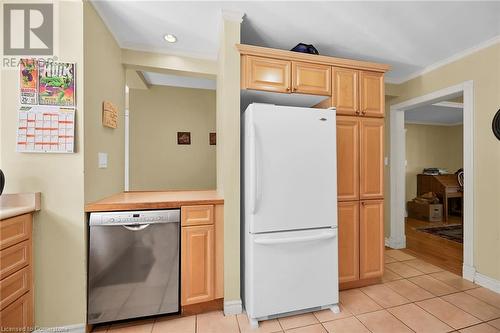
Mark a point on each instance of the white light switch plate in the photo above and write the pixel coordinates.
(102, 160)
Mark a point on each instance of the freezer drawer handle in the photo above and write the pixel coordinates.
(271, 241)
(136, 227)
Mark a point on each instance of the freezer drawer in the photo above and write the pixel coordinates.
(290, 271)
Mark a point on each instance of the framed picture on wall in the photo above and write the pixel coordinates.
(183, 138)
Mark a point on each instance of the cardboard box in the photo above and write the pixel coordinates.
(426, 212)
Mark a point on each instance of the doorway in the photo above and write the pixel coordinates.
(398, 168)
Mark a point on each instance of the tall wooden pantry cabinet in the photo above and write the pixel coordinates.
(360, 174)
(356, 89)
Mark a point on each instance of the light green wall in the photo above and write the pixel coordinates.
(59, 228)
(482, 67)
(104, 81)
(157, 162)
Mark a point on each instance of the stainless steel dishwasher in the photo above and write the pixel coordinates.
(133, 267)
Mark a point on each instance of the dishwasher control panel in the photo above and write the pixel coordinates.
(135, 217)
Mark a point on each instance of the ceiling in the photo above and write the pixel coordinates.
(411, 36)
(179, 81)
(435, 115)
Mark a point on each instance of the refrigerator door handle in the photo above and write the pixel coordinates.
(273, 241)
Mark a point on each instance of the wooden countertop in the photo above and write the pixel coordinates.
(154, 200)
(18, 203)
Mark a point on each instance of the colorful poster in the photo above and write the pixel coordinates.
(56, 84)
(28, 81)
(45, 129)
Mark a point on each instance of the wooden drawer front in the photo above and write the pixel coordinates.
(268, 74)
(197, 215)
(14, 286)
(197, 264)
(19, 314)
(14, 258)
(15, 230)
(311, 78)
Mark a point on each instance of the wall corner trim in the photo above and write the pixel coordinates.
(468, 272)
(231, 15)
(395, 243)
(233, 307)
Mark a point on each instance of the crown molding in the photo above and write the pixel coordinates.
(232, 15)
(446, 61)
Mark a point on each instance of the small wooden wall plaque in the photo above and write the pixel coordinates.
(109, 115)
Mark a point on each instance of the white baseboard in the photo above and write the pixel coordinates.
(77, 328)
(233, 307)
(468, 272)
(395, 243)
(487, 282)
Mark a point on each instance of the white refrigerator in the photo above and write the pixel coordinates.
(289, 229)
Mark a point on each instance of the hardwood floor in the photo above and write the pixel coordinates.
(436, 250)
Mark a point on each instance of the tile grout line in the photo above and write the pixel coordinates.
(454, 329)
(390, 313)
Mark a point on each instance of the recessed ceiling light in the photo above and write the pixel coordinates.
(170, 38)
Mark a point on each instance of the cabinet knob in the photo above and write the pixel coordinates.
(294, 88)
(287, 88)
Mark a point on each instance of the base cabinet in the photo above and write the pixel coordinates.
(16, 280)
(202, 253)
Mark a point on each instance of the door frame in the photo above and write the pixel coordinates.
(397, 237)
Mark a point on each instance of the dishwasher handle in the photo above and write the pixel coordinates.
(135, 227)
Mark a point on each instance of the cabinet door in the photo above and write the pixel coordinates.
(345, 91)
(371, 239)
(347, 158)
(19, 314)
(372, 94)
(267, 74)
(197, 264)
(311, 78)
(371, 158)
(348, 241)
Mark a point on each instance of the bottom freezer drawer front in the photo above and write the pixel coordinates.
(291, 271)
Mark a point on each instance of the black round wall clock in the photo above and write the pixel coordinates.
(496, 124)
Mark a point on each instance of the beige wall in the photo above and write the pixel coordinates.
(228, 152)
(431, 146)
(104, 81)
(157, 162)
(59, 228)
(483, 67)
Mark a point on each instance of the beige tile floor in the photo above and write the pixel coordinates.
(415, 296)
